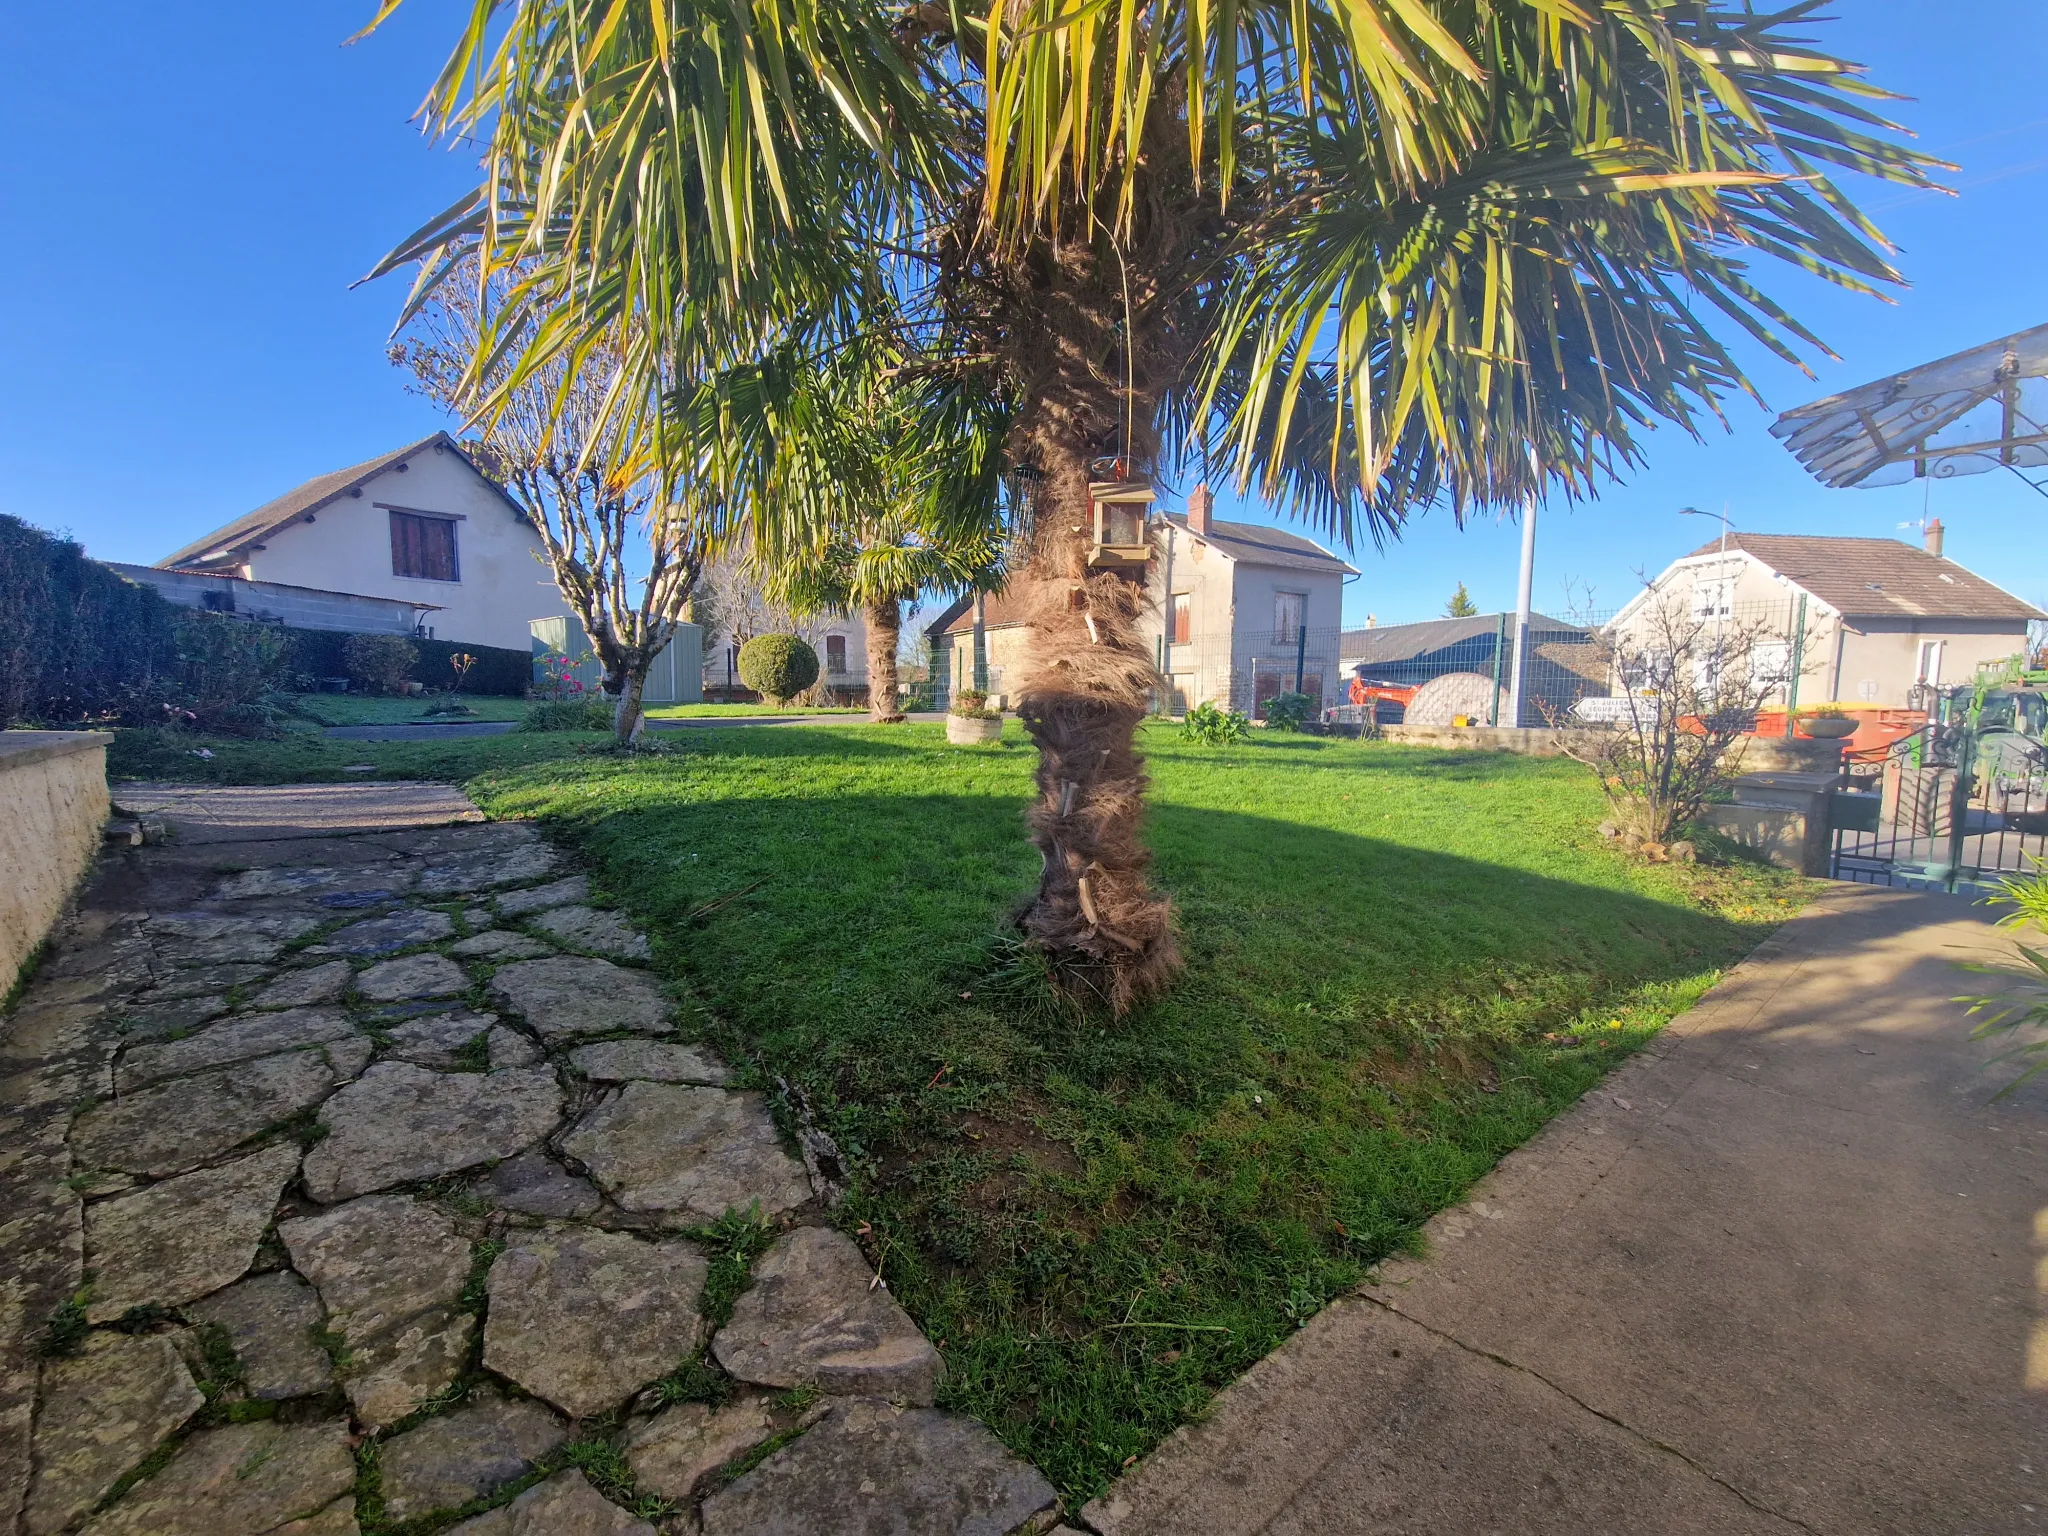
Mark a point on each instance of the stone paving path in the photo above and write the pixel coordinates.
(357, 1182)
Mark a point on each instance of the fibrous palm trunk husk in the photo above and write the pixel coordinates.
(1086, 684)
(885, 627)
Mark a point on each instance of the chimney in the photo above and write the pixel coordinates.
(1201, 510)
(1933, 538)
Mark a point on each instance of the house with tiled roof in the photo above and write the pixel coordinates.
(421, 526)
(1871, 618)
(1238, 613)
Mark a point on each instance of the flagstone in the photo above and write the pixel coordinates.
(570, 995)
(687, 1154)
(586, 1318)
(239, 1038)
(397, 981)
(815, 1317)
(539, 898)
(239, 1480)
(300, 989)
(468, 1453)
(386, 935)
(439, 1039)
(102, 1413)
(605, 933)
(564, 1505)
(619, 1061)
(870, 1466)
(398, 1123)
(186, 1237)
(178, 1125)
(270, 1320)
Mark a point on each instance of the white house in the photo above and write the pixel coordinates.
(1237, 613)
(422, 525)
(1855, 621)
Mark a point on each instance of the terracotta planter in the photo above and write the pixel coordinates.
(965, 731)
(1828, 727)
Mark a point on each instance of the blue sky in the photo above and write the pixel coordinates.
(188, 204)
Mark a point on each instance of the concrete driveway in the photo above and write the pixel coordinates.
(1779, 1275)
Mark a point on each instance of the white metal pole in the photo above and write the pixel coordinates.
(1523, 594)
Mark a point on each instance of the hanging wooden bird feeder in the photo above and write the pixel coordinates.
(1121, 507)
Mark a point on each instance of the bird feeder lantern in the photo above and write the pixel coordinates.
(1121, 508)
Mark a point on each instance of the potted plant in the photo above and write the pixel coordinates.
(970, 720)
(1827, 722)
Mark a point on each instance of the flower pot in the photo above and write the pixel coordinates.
(965, 730)
(1828, 727)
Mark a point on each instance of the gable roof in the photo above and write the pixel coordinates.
(1877, 578)
(1388, 643)
(958, 619)
(1251, 544)
(235, 537)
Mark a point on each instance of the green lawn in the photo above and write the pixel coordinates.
(1400, 963)
(736, 711)
(373, 709)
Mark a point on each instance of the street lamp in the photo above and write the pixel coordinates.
(1722, 516)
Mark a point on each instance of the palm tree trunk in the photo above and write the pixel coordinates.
(1087, 677)
(884, 618)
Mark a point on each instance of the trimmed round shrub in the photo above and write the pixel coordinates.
(778, 667)
(379, 662)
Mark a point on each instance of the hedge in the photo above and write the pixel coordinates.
(317, 653)
(78, 642)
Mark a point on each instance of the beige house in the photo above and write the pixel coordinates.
(422, 525)
(733, 611)
(1860, 621)
(1237, 612)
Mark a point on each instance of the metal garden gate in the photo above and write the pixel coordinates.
(1952, 807)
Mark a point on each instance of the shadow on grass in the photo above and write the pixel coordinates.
(1101, 1222)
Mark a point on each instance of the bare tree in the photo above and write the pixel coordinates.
(1688, 686)
(549, 441)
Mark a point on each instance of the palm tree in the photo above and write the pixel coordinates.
(863, 485)
(1369, 254)
(876, 563)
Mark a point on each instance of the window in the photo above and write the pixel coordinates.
(1713, 599)
(1929, 670)
(1287, 620)
(1183, 620)
(423, 548)
(835, 655)
(1770, 664)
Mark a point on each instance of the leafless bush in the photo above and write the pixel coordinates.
(1687, 689)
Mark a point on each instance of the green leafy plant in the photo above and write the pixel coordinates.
(64, 1333)
(568, 715)
(972, 704)
(379, 662)
(1214, 727)
(2020, 1012)
(1291, 711)
(2026, 894)
(778, 667)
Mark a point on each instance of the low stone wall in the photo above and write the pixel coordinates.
(1531, 741)
(1760, 755)
(53, 802)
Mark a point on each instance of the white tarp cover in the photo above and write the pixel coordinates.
(1979, 410)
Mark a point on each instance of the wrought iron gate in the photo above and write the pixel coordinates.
(1951, 807)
